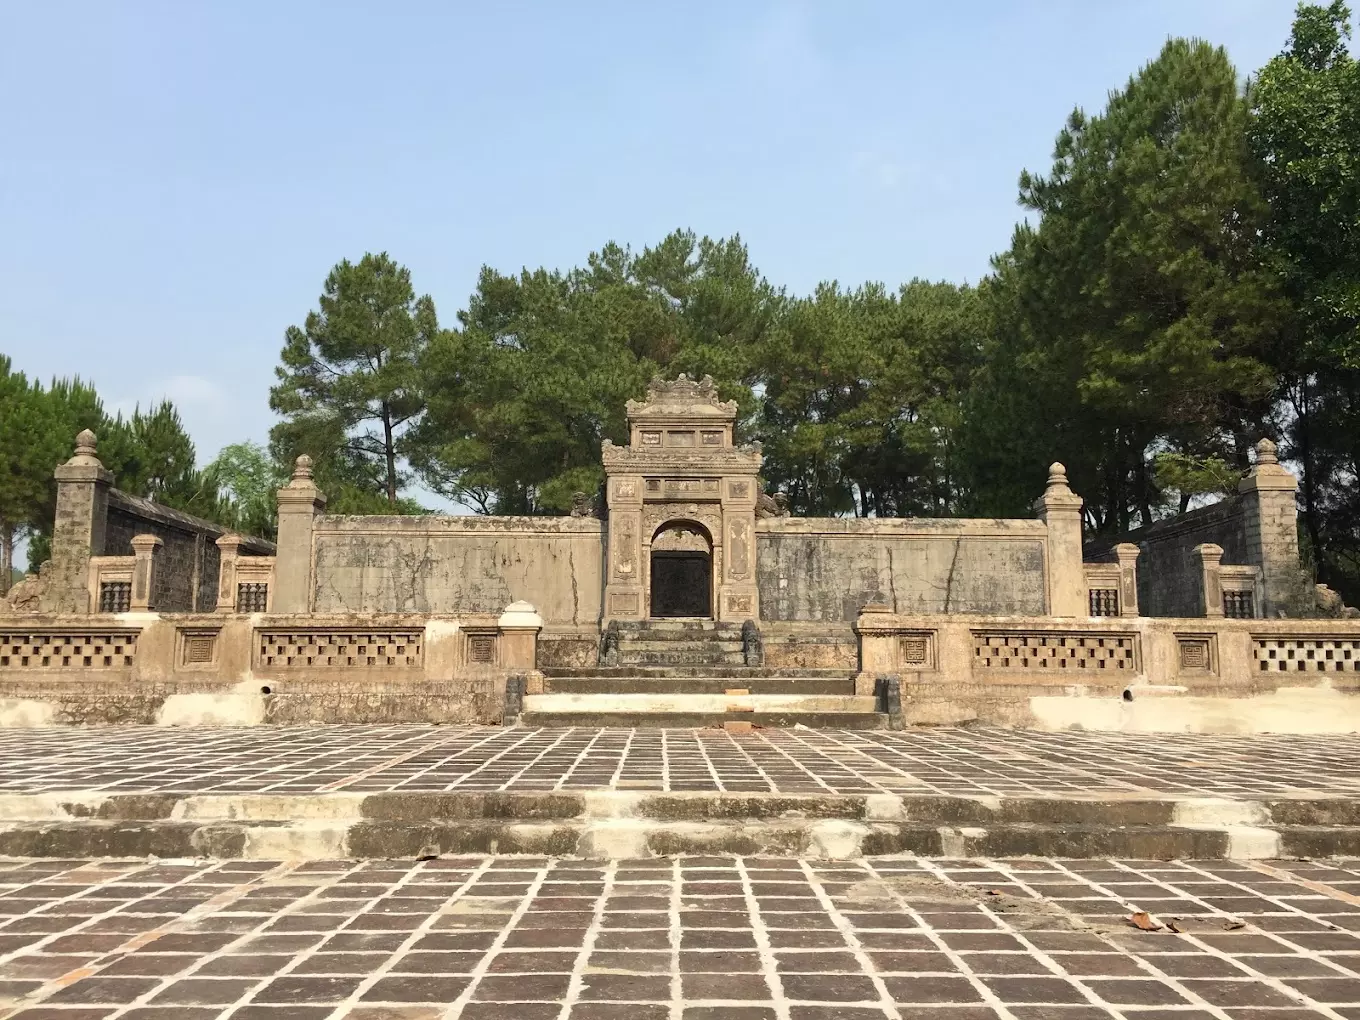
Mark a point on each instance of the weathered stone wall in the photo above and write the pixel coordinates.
(826, 569)
(455, 565)
(1170, 581)
(181, 669)
(188, 561)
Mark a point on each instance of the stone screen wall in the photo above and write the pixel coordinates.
(826, 569)
(454, 565)
(188, 562)
(1170, 579)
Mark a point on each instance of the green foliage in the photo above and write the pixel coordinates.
(524, 393)
(862, 393)
(1306, 133)
(1136, 312)
(247, 478)
(350, 386)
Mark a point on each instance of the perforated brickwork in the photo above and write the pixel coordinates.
(399, 649)
(1307, 655)
(1054, 651)
(85, 649)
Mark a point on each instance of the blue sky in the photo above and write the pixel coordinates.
(176, 179)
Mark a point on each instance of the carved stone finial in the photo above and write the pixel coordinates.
(1057, 477)
(1266, 453)
(86, 454)
(302, 468)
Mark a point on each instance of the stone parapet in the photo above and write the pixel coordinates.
(232, 669)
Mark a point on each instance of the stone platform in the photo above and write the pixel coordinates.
(409, 791)
(532, 938)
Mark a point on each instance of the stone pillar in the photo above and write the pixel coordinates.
(145, 552)
(1126, 555)
(78, 530)
(736, 589)
(623, 558)
(1211, 591)
(519, 626)
(1271, 531)
(874, 627)
(299, 503)
(1060, 508)
(229, 551)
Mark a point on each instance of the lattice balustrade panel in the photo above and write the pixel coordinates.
(115, 596)
(252, 597)
(1239, 605)
(393, 649)
(1055, 651)
(82, 650)
(1307, 655)
(1103, 601)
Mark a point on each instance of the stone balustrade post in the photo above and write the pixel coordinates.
(1126, 555)
(229, 554)
(1211, 590)
(519, 626)
(78, 531)
(300, 501)
(145, 556)
(1271, 531)
(1060, 509)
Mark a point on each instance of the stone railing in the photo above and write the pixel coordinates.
(237, 668)
(245, 583)
(1112, 586)
(1141, 653)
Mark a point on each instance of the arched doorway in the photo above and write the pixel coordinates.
(682, 571)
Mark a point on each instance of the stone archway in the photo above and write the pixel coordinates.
(680, 574)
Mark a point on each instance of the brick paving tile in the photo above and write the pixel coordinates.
(880, 939)
(479, 759)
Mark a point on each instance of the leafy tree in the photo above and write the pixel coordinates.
(29, 450)
(350, 386)
(862, 393)
(247, 478)
(1135, 316)
(1306, 131)
(523, 394)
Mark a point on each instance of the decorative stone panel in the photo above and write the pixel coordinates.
(1307, 655)
(1196, 653)
(916, 651)
(481, 649)
(1054, 650)
(197, 648)
(82, 649)
(311, 649)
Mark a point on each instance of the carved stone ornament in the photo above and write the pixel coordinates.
(772, 505)
(26, 596)
(681, 393)
(583, 505)
(658, 514)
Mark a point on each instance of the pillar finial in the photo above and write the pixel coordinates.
(1057, 478)
(1266, 452)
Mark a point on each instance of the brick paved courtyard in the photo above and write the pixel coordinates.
(486, 938)
(973, 761)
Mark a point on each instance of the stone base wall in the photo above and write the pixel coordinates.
(201, 669)
(1139, 674)
(824, 569)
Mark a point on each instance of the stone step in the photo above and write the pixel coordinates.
(668, 672)
(706, 720)
(679, 642)
(632, 702)
(677, 624)
(630, 683)
(638, 822)
(680, 657)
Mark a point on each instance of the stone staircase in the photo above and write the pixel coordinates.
(695, 673)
